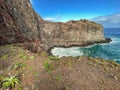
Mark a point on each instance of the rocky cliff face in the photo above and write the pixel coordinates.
(72, 33)
(19, 23)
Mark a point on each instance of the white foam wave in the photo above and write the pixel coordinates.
(115, 40)
(60, 52)
(79, 51)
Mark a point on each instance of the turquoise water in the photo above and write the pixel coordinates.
(109, 51)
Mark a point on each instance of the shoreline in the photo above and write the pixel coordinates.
(107, 40)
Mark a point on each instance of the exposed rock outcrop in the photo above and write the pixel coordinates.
(72, 33)
(19, 23)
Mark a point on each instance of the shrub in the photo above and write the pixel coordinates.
(10, 82)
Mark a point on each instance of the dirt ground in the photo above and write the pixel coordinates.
(43, 72)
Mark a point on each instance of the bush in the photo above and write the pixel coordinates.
(10, 82)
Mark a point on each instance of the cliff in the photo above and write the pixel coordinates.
(19, 23)
(72, 33)
(38, 71)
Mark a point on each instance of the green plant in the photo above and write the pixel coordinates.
(20, 88)
(81, 58)
(31, 57)
(58, 78)
(4, 56)
(23, 56)
(1, 77)
(10, 82)
(92, 64)
(30, 68)
(107, 69)
(54, 58)
(114, 63)
(91, 58)
(48, 67)
(66, 87)
(18, 66)
(35, 73)
(44, 54)
(69, 63)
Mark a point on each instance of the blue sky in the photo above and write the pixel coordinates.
(64, 10)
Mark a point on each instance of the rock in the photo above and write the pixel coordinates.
(20, 24)
(72, 33)
(107, 40)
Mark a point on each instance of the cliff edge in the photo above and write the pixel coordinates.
(19, 24)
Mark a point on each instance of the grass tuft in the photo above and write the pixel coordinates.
(48, 66)
(54, 58)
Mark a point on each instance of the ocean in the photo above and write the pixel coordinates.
(108, 51)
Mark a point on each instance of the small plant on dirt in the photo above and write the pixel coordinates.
(23, 56)
(91, 58)
(66, 87)
(26, 57)
(1, 77)
(44, 54)
(4, 56)
(18, 66)
(30, 68)
(107, 69)
(54, 58)
(31, 57)
(35, 73)
(114, 63)
(58, 78)
(20, 88)
(81, 58)
(48, 66)
(92, 64)
(10, 82)
(69, 63)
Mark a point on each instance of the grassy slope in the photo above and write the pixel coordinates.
(43, 72)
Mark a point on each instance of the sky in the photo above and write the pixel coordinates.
(64, 10)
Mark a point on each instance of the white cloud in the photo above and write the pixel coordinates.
(53, 19)
(108, 20)
(50, 19)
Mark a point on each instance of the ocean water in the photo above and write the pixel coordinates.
(108, 51)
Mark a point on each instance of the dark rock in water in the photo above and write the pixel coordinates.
(108, 40)
(19, 23)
